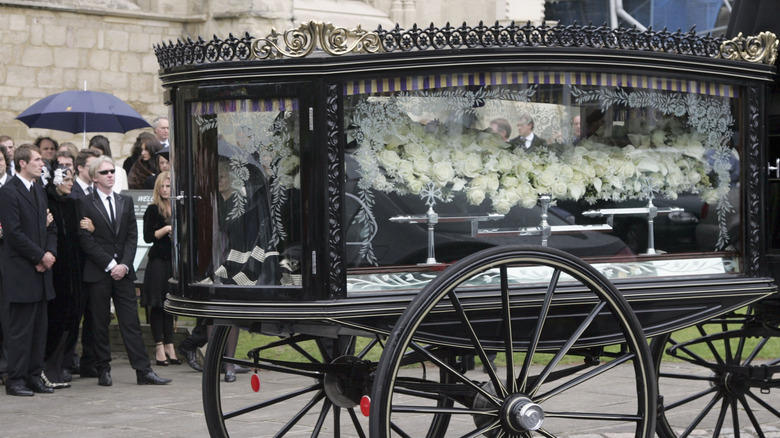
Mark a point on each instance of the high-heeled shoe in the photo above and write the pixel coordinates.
(173, 360)
(159, 347)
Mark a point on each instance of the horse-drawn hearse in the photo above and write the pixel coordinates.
(381, 208)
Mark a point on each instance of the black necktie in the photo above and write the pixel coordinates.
(89, 190)
(110, 210)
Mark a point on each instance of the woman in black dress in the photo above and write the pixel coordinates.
(157, 231)
(63, 309)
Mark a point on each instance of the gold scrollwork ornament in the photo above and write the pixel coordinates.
(301, 42)
(761, 48)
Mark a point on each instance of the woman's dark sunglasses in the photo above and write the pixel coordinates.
(106, 172)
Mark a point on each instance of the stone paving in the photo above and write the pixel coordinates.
(87, 410)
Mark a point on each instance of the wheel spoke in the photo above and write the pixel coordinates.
(321, 419)
(453, 372)
(297, 417)
(713, 350)
(593, 416)
(398, 430)
(356, 423)
(764, 404)
(566, 347)
(412, 409)
(701, 415)
(751, 416)
(690, 398)
(710, 379)
(537, 333)
(475, 342)
(272, 401)
(304, 353)
(506, 316)
(584, 377)
(757, 349)
(370, 346)
(693, 357)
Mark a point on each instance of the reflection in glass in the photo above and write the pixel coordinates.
(640, 150)
(248, 151)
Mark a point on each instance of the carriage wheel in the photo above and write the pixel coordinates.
(721, 376)
(571, 355)
(316, 394)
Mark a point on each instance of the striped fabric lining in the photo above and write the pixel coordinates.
(418, 83)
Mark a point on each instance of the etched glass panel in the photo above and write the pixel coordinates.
(635, 167)
(248, 167)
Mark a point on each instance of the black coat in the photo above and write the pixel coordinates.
(26, 240)
(68, 269)
(107, 243)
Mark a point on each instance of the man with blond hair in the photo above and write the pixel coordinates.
(109, 275)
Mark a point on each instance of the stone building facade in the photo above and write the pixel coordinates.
(49, 46)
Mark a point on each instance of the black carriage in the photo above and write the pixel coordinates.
(364, 201)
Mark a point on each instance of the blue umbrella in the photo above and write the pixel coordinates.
(83, 111)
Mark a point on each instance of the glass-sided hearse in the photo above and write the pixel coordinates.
(388, 208)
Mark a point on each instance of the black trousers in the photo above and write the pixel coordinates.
(126, 308)
(24, 340)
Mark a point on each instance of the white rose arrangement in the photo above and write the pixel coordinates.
(402, 156)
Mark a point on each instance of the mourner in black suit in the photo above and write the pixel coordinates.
(29, 252)
(109, 274)
(526, 138)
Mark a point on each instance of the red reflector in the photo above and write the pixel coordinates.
(255, 382)
(365, 405)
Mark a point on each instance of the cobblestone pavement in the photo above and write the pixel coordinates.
(126, 409)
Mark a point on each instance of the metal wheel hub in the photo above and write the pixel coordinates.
(521, 414)
(518, 413)
(345, 386)
(735, 384)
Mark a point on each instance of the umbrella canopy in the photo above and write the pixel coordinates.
(83, 111)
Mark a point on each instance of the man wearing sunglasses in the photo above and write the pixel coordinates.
(109, 274)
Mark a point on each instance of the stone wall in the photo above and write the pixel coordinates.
(49, 46)
(45, 51)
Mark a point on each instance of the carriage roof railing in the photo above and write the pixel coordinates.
(325, 39)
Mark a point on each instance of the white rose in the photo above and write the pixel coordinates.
(405, 170)
(479, 182)
(439, 155)
(475, 196)
(566, 173)
(389, 158)
(505, 163)
(472, 166)
(509, 181)
(502, 205)
(492, 182)
(443, 173)
(546, 178)
(414, 150)
(421, 164)
(559, 189)
(627, 169)
(415, 185)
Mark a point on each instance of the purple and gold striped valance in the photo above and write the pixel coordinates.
(244, 106)
(417, 83)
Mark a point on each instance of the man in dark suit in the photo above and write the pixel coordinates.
(83, 182)
(526, 139)
(108, 272)
(29, 252)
